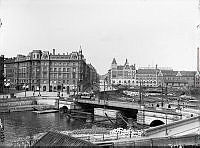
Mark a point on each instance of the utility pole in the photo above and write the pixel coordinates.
(162, 96)
(104, 93)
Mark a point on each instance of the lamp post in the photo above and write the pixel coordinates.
(62, 91)
(25, 90)
(166, 124)
(58, 99)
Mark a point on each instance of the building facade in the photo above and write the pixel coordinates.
(151, 76)
(147, 76)
(1, 73)
(176, 78)
(122, 74)
(45, 71)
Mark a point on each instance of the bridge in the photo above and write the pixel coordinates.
(145, 115)
(178, 128)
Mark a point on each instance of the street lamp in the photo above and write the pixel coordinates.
(62, 91)
(58, 99)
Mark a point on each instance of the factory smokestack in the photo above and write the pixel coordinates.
(197, 58)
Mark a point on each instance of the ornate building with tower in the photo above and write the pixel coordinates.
(122, 74)
(156, 76)
(45, 71)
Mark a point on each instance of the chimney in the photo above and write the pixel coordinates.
(197, 58)
(156, 66)
(54, 52)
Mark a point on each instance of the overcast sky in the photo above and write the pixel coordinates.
(146, 32)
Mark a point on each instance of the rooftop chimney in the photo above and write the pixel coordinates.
(54, 52)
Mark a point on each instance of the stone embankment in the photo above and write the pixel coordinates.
(20, 104)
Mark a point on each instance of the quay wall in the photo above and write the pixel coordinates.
(18, 104)
(187, 140)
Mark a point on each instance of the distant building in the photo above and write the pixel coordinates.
(147, 77)
(44, 71)
(1, 73)
(122, 74)
(151, 76)
(176, 78)
(197, 79)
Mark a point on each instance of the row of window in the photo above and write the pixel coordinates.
(61, 64)
(63, 69)
(35, 81)
(150, 82)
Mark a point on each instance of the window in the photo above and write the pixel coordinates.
(68, 75)
(74, 69)
(73, 75)
(68, 69)
(64, 69)
(74, 82)
(59, 69)
(55, 69)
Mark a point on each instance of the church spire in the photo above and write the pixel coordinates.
(126, 63)
(114, 61)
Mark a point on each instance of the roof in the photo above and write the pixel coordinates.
(114, 61)
(53, 138)
(146, 71)
(126, 62)
(177, 73)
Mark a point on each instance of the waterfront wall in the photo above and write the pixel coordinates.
(187, 140)
(8, 104)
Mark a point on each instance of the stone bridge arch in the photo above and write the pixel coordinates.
(156, 123)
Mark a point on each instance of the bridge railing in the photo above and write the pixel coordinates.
(111, 136)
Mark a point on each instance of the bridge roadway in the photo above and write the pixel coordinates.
(128, 105)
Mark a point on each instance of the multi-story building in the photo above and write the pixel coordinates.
(1, 73)
(92, 78)
(151, 76)
(147, 76)
(197, 79)
(44, 71)
(176, 78)
(122, 74)
(9, 72)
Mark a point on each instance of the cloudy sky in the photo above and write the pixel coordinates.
(146, 32)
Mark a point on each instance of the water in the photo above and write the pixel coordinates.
(22, 124)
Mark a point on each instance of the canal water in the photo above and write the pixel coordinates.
(22, 124)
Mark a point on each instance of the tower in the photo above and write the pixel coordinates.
(197, 58)
(114, 64)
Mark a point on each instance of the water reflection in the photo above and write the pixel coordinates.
(22, 124)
